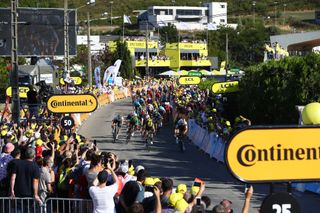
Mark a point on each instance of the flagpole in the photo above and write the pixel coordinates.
(123, 29)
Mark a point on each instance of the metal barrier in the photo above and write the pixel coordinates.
(51, 205)
(67, 205)
(19, 205)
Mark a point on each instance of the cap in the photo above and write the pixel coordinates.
(9, 148)
(182, 188)
(149, 181)
(174, 197)
(138, 168)
(103, 176)
(194, 190)
(181, 205)
(156, 180)
(39, 142)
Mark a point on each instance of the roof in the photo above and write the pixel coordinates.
(33, 69)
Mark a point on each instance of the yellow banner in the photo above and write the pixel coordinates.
(225, 87)
(275, 154)
(77, 80)
(189, 80)
(82, 103)
(22, 92)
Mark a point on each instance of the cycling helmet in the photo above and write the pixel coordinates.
(119, 117)
(147, 116)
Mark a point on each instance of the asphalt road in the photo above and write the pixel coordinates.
(166, 160)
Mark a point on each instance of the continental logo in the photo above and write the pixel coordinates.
(275, 154)
(82, 103)
(225, 87)
(249, 155)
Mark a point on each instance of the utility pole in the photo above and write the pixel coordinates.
(89, 51)
(14, 62)
(227, 55)
(147, 50)
(66, 40)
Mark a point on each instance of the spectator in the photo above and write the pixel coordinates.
(25, 177)
(102, 195)
(95, 168)
(219, 209)
(45, 182)
(227, 205)
(5, 159)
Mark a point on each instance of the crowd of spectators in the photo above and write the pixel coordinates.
(40, 159)
(207, 110)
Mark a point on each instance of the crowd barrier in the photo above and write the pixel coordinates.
(51, 205)
(209, 142)
(214, 146)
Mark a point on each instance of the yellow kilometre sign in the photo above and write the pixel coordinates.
(189, 80)
(225, 87)
(77, 80)
(275, 154)
(22, 92)
(82, 103)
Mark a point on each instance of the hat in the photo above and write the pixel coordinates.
(39, 142)
(182, 188)
(124, 167)
(4, 133)
(103, 176)
(37, 135)
(194, 190)
(174, 197)
(156, 180)
(131, 170)
(149, 181)
(138, 168)
(9, 148)
(181, 205)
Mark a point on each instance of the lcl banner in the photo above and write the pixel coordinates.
(275, 154)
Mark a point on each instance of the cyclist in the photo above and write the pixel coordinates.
(149, 127)
(116, 122)
(133, 123)
(181, 130)
(157, 119)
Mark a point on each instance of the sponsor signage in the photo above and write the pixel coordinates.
(76, 80)
(275, 154)
(82, 103)
(189, 80)
(199, 74)
(22, 92)
(225, 87)
(281, 202)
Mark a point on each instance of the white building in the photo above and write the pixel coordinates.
(185, 17)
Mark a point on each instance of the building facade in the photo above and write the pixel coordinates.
(185, 17)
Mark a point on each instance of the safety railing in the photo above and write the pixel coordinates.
(51, 205)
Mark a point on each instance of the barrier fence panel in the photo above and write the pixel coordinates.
(51, 205)
(20, 205)
(68, 205)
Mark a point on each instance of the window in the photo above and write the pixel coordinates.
(189, 12)
(222, 5)
(170, 12)
(222, 20)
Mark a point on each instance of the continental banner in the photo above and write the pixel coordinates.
(82, 103)
(275, 154)
(225, 87)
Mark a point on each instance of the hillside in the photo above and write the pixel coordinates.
(119, 7)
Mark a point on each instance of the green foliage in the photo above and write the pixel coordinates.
(122, 53)
(169, 34)
(270, 91)
(207, 84)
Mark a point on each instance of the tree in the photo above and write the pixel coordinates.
(122, 52)
(169, 34)
(270, 91)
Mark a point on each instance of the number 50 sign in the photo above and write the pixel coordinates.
(281, 202)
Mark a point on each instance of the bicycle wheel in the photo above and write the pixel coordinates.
(114, 134)
(181, 144)
(128, 136)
